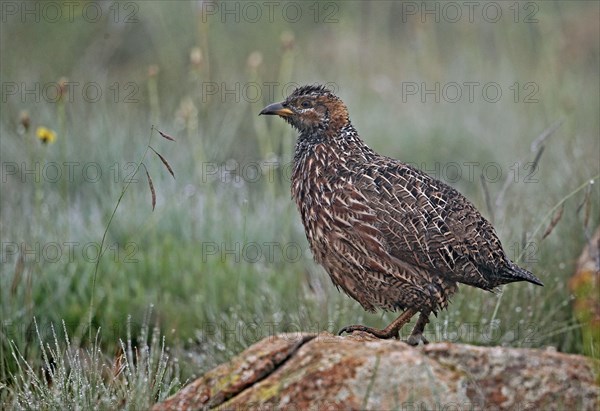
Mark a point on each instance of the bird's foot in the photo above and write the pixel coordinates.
(391, 331)
(416, 339)
(382, 334)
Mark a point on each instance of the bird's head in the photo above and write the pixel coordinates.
(312, 110)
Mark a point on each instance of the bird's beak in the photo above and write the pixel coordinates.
(276, 108)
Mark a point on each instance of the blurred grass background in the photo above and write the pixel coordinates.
(223, 260)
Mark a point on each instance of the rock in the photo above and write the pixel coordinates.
(326, 372)
(585, 285)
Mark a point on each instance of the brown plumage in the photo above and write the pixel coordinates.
(389, 235)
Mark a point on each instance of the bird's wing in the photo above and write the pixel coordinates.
(428, 224)
(356, 237)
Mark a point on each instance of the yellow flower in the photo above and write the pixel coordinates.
(45, 135)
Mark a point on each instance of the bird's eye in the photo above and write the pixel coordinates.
(305, 104)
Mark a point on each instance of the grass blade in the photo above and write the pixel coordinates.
(164, 161)
(168, 137)
(151, 185)
(555, 219)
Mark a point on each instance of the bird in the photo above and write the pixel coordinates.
(390, 236)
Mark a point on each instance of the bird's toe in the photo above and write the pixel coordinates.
(416, 339)
(351, 328)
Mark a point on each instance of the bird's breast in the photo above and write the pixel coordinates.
(314, 190)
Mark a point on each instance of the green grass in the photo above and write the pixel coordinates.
(193, 258)
(75, 378)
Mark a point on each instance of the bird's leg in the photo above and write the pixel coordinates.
(416, 336)
(390, 331)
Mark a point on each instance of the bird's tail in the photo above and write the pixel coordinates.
(514, 273)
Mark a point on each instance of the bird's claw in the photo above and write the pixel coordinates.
(381, 334)
(416, 339)
(351, 328)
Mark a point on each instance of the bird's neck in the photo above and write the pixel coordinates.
(342, 142)
(339, 137)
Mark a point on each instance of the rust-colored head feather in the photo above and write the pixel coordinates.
(312, 110)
